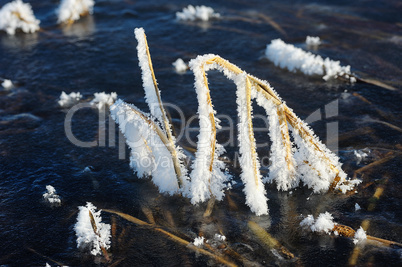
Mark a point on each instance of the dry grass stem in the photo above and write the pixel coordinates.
(173, 237)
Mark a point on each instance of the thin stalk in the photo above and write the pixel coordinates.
(165, 123)
(172, 237)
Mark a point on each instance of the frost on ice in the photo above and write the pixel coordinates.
(7, 84)
(313, 41)
(87, 237)
(360, 235)
(71, 10)
(51, 196)
(198, 241)
(69, 100)
(180, 66)
(295, 59)
(17, 15)
(323, 223)
(357, 207)
(102, 100)
(192, 13)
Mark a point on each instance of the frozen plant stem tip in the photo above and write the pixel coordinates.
(297, 155)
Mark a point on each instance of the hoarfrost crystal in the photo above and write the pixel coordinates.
(86, 236)
(324, 223)
(71, 10)
(192, 13)
(7, 84)
(102, 100)
(51, 195)
(360, 235)
(180, 66)
(198, 241)
(292, 58)
(18, 15)
(68, 100)
(313, 41)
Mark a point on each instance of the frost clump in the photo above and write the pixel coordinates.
(180, 66)
(71, 10)
(102, 99)
(313, 41)
(198, 241)
(87, 236)
(357, 207)
(18, 15)
(361, 155)
(360, 235)
(324, 223)
(7, 84)
(68, 100)
(192, 13)
(295, 59)
(51, 195)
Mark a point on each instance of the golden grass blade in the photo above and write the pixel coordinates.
(251, 138)
(268, 241)
(172, 237)
(210, 207)
(286, 141)
(388, 157)
(377, 83)
(46, 257)
(95, 229)
(148, 213)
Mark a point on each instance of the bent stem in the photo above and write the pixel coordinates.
(170, 144)
(95, 229)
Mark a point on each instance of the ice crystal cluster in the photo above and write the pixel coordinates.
(324, 223)
(51, 195)
(313, 41)
(360, 235)
(7, 84)
(103, 99)
(192, 13)
(68, 100)
(71, 10)
(294, 59)
(180, 66)
(87, 238)
(18, 15)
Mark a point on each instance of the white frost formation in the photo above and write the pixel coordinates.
(361, 155)
(86, 237)
(102, 100)
(152, 94)
(357, 207)
(51, 195)
(324, 223)
(198, 241)
(292, 58)
(7, 84)
(360, 236)
(18, 15)
(192, 13)
(71, 10)
(149, 154)
(180, 66)
(313, 41)
(69, 100)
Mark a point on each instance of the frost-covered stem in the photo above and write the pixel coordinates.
(286, 141)
(305, 134)
(166, 142)
(95, 229)
(251, 134)
(298, 125)
(165, 122)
